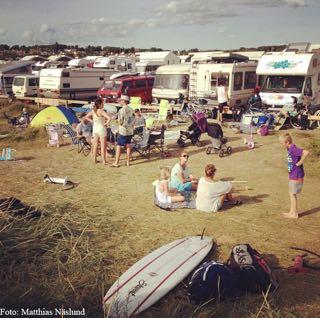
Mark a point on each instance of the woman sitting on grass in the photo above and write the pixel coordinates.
(211, 194)
(164, 193)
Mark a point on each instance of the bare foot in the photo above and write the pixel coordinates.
(114, 165)
(291, 215)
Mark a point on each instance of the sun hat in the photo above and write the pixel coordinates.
(125, 97)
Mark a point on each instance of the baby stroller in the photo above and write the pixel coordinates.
(219, 143)
(198, 126)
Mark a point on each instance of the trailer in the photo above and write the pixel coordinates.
(150, 61)
(116, 63)
(171, 82)
(71, 83)
(8, 71)
(287, 74)
(237, 72)
(25, 86)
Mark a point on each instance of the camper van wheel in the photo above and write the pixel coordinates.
(221, 153)
(295, 122)
(229, 150)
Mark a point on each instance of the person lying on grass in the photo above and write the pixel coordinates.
(181, 179)
(296, 157)
(164, 193)
(211, 194)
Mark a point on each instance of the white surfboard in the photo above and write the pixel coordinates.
(154, 276)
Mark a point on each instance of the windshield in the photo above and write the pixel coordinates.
(283, 84)
(171, 81)
(18, 81)
(112, 85)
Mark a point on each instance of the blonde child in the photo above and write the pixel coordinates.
(164, 193)
(296, 156)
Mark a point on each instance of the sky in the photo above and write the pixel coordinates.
(168, 24)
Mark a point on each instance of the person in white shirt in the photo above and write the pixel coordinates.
(211, 194)
(222, 96)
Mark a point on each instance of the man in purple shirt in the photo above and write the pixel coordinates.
(295, 157)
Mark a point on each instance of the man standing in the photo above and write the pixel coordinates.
(222, 95)
(126, 123)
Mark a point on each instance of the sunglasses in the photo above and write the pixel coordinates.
(185, 156)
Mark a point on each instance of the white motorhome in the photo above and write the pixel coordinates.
(7, 73)
(25, 85)
(238, 74)
(150, 61)
(170, 81)
(286, 74)
(118, 63)
(71, 83)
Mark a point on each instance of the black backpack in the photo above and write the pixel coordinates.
(251, 272)
(211, 280)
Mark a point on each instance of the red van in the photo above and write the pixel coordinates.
(139, 86)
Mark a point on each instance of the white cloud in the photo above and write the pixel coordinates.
(3, 32)
(28, 35)
(45, 29)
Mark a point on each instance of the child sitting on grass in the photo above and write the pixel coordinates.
(164, 193)
(296, 156)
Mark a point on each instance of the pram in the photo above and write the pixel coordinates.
(55, 133)
(198, 126)
(219, 142)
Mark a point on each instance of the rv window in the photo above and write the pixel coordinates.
(149, 68)
(283, 84)
(66, 85)
(129, 66)
(65, 74)
(171, 81)
(33, 82)
(101, 78)
(237, 84)
(150, 82)
(214, 80)
(141, 83)
(250, 80)
(112, 62)
(18, 81)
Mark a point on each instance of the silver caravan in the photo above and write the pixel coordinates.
(71, 83)
(170, 82)
(150, 61)
(8, 71)
(116, 63)
(237, 72)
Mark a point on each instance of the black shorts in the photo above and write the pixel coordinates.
(221, 105)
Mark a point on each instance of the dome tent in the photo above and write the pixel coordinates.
(54, 115)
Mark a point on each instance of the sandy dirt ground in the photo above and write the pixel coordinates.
(124, 196)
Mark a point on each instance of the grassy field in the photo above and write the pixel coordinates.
(91, 234)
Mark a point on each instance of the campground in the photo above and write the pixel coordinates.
(89, 235)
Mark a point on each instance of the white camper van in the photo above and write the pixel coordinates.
(118, 63)
(25, 85)
(170, 81)
(7, 73)
(286, 74)
(240, 78)
(71, 83)
(150, 61)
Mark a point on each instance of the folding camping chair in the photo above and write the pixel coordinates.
(162, 114)
(135, 102)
